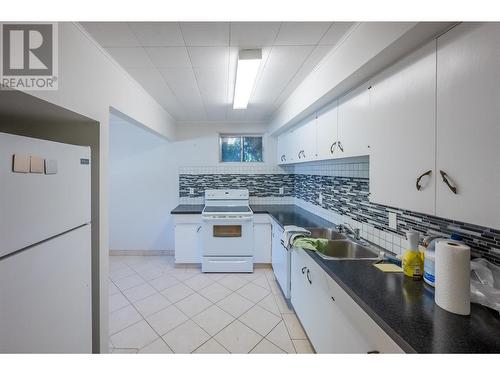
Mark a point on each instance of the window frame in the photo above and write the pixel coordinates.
(241, 136)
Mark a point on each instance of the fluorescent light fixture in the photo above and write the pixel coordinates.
(246, 72)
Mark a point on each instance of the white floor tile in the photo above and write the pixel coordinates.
(235, 304)
(177, 292)
(198, 282)
(262, 282)
(215, 292)
(117, 301)
(124, 351)
(163, 282)
(303, 346)
(260, 320)
(279, 336)
(156, 347)
(166, 319)
(123, 318)
(182, 274)
(194, 304)
(151, 272)
(266, 347)
(211, 347)
(112, 289)
(186, 338)
(139, 292)
(238, 338)
(136, 336)
(213, 319)
(121, 273)
(269, 303)
(151, 304)
(294, 327)
(129, 282)
(232, 282)
(253, 292)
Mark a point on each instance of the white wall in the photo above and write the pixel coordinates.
(90, 82)
(140, 188)
(144, 177)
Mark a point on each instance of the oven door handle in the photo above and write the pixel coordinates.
(227, 218)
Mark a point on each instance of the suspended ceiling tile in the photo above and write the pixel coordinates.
(112, 34)
(301, 33)
(205, 33)
(158, 34)
(253, 34)
(169, 57)
(131, 57)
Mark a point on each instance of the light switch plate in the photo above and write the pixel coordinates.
(282, 191)
(393, 220)
(50, 166)
(320, 199)
(191, 191)
(21, 163)
(36, 164)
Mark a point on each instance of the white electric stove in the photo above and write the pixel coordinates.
(227, 244)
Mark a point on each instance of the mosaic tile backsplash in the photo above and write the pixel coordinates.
(346, 194)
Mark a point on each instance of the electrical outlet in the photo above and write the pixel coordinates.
(393, 220)
(282, 190)
(320, 199)
(191, 191)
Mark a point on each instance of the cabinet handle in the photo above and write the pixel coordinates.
(199, 228)
(373, 352)
(341, 147)
(308, 278)
(298, 155)
(445, 180)
(304, 269)
(417, 184)
(283, 158)
(332, 147)
(333, 299)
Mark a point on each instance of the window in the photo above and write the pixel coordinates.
(241, 148)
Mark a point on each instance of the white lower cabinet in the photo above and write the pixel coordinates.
(262, 238)
(188, 233)
(333, 322)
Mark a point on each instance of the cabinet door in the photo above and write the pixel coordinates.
(187, 243)
(262, 243)
(326, 133)
(354, 123)
(282, 149)
(468, 124)
(403, 137)
(305, 136)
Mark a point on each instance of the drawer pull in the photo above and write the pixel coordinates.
(373, 352)
(333, 299)
(308, 278)
(304, 270)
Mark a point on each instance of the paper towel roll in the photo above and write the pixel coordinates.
(452, 272)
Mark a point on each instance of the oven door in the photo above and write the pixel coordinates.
(227, 236)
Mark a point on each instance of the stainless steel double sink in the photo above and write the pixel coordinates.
(340, 246)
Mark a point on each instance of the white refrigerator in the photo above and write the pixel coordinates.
(45, 247)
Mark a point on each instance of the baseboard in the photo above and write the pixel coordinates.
(141, 252)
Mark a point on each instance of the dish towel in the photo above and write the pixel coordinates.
(290, 233)
(314, 244)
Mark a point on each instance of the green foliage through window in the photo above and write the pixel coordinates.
(236, 148)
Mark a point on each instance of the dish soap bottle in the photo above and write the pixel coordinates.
(412, 261)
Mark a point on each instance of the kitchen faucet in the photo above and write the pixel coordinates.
(347, 228)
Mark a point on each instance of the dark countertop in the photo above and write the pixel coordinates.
(403, 308)
(187, 209)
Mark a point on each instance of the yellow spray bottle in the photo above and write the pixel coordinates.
(412, 261)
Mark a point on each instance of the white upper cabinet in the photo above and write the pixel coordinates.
(326, 132)
(468, 118)
(305, 140)
(354, 123)
(403, 137)
(282, 149)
